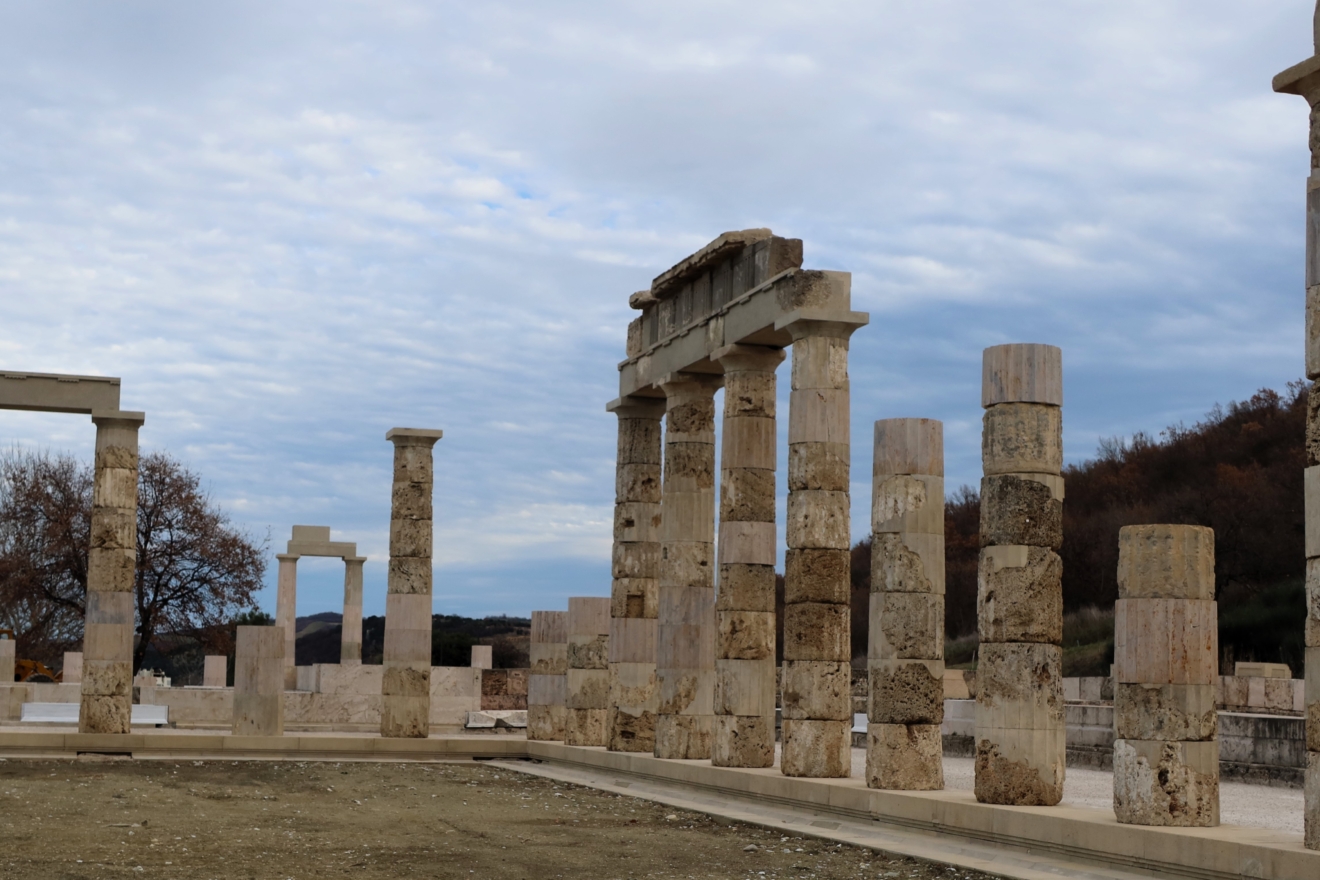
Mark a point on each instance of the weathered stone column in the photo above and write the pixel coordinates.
(215, 671)
(350, 639)
(1019, 689)
(107, 689)
(71, 673)
(744, 732)
(906, 651)
(634, 596)
(259, 681)
(1166, 659)
(685, 637)
(8, 660)
(817, 678)
(588, 674)
(286, 613)
(406, 686)
(547, 684)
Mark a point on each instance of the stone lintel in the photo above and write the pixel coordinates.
(1300, 79)
(637, 407)
(713, 253)
(58, 392)
(334, 549)
(414, 436)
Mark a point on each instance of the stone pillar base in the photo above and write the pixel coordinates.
(1166, 783)
(258, 715)
(104, 714)
(818, 749)
(402, 716)
(906, 757)
(631, 732)
(586, 727)
(683, 737)
(1020, 767)
(545, 723)
(743, 741)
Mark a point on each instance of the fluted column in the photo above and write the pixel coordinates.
(817, 678)
(350, 639)
(744, 732)
(107, 682)
(685, 638)
(1019, 695)
(286, 614)
(905, 662)
(634, 597)
(406, 686)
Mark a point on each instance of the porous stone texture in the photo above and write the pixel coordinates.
(904, 756)
(634, 593)
(259, 681)
(743, 731)
(815, 748)
(685, 636)
(406, 680)
(545, 723)
(1022, 438)
(1166, 562)
(547, 685)
(1019, 766)
(111, 571)
(1311, 836)
(1017, 510)
(1020, 594)
(906, 692)
(586, 719)
(7, 660)
(1166, 783)
(1173, 712)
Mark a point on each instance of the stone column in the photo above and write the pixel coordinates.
(406, 685)
(905, 655)
(1166, 658)
(286, 614)
(215, 671)
(350, 640)
(817, 678)
(634, 596)
(259, 681)
(588, 673)
(107, 694)
(1019, 703)
(72, 671)
(547, 685)
(8, 660)
(744, 732)
(685, 636)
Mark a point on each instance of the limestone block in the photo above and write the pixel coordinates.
(1313, 581)
(405, 716)
(906, 757)
(545, 723)
(630, 731)
(685, 646)
(8, 650)
(818, 519)
(743, 741)
(683, 737)
(817, 631)
(1022, 438)
(588, 652)
(908, 503)
(639, 441)
(406, 644)
(908, 446)
(638, 482)
(549, 627)
(1311, 834)
(1166, 783)
(818, 415)
(215, 671)
(107, 678)
(750, 442)
(1279, 694)
(686, 691)
(687, 605)
(687, 564)
(410, 575)
(410, 611)
(689, 467)
(549, 659)
(1016, 510)
(404, 678)
(818, 466)
(104, 714)
(745, 687)
(258, 714)
(413, 463)
(907, 563)
(745, 635)
(816, 575)
(1261, 670)
(1311, 487)
(410, 538)
(747, 587)
(111, 570)
(817, 690)
(1022, 372)
(1311, 632)
(636, 521)
(690, 413)
(905, 626)
(547, 690)
(114, 488)
(637, 597)
(114, 455)
(1020, 686)
(817, 749)
(1019, 595)
(905, 692)
(749, 543)
(1166, 562)
(1184, 712)
(1311, 699)
(820, 362)
(588, 688)
(114, 528)
(749, 393)
(633, 685)
(588, 616)
(411, 501)
(631, 640)
(1166, 641)
(747, 495)
(1022, 767)
(107, 641)
(1312, 319)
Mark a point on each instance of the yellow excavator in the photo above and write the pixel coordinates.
(30, 670)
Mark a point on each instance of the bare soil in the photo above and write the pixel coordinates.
(259, 820)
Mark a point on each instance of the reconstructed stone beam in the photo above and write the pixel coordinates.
(634, 596)
(744, 732)
(406, 683)
(56, 392)
(547, 683)
(1019, 705)
(588, 674)
(906, 650)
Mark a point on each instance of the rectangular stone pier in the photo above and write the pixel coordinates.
(259, 681)
(588, 674)
(547, 683)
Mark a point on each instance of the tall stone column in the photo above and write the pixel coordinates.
(1166, 659)
(685, 637)
(634, 597)
(905, 664)
(286, 613)
(547, 683)
(1019, 677)
(107, 683)
(406, 686)
(588, 674)
(1304, 79)
(350, 640)
(259, 682)
(817, 678)
(744, 732)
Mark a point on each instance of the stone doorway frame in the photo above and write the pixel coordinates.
(315, 541)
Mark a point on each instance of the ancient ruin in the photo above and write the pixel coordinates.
(547, 684)
(315, 541)
(259, 681)
(587, 696)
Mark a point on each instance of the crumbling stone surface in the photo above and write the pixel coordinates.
(1016, 510)
(743, 741)
(907, 757)
(1313, 420)
(1183, 712)
(683, 737)
(588, 653)
(895, 568)
(1022, 438)
(628, 732)
(817, 749)
(816, 575)
(1001, 779)
(817, 690)
(1166, 783)
(1020, 595)
(906, 692)
(586, 727)
(1166, 562)
(545, 723)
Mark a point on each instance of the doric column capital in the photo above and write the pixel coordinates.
(689, 385)
(354, 560)
(1301, 79)
(632, 407)
(414, 436)
(802, 323)
(746, 358)
(118, 418)
(288, 557)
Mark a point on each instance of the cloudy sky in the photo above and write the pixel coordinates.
(290, 227)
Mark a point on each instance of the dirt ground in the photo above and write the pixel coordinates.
(259, 820)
